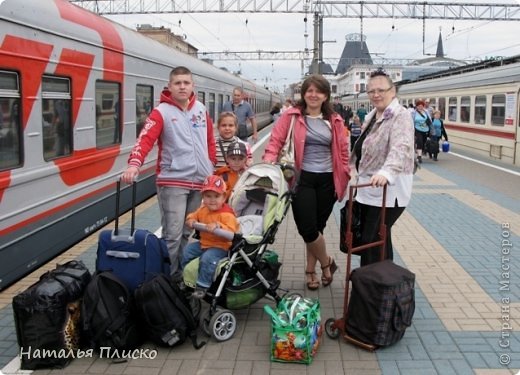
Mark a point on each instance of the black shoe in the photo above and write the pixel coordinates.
(435, 158)
(199, 293)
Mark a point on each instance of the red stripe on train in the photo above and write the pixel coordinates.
(61, 207)
(491, 133)
(84, 165)
(30, 59)
(77, 65)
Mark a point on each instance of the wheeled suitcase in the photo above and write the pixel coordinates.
(133, 256)
(433, 147)
(47, 317)
(382, 303)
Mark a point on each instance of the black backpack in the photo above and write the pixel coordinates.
(166, 312)
(108, 315)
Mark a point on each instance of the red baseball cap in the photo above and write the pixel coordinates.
(214, 183)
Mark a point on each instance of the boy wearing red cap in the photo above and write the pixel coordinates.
(214, 213)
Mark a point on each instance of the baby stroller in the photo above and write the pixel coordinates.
(260, 199)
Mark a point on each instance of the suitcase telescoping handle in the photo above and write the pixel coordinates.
(382, 225)
(118, 201)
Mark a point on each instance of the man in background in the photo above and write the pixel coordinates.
(244, 113)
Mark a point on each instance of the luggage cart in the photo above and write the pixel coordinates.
(337, 327)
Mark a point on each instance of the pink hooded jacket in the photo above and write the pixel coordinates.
(339, 148)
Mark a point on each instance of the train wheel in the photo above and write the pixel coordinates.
(223, 325)
(330, 328)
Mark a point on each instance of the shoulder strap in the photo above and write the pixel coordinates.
(168, 287)
(221, 145)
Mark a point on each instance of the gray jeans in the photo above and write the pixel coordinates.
(175, 204)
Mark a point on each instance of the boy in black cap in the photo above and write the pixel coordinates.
(236, 159)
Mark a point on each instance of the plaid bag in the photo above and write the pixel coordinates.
(296, 329)
(382, 303)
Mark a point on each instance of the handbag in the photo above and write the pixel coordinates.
(356, 226)
(286, 156)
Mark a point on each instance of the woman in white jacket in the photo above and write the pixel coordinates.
(383, 155)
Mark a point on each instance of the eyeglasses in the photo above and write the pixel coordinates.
(378, 91)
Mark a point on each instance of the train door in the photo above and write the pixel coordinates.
(515, 113)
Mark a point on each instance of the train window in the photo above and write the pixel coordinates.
(56, 117)
(480, 110)
(108, 122)
(202, 97)
(452, 109)
(442, 107)
(498, 109)
(10, 121)
(143, 106)
(220, 102)
(211, 106)
(465, 105)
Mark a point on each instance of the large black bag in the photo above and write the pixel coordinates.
(356, 226)
(382, 303)
(166, 313)
(108, 315)
(47, 317)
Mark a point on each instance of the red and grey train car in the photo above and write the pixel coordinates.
(75, 89)
(479, 104)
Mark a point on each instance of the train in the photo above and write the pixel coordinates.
(479, 104)
(75, 90)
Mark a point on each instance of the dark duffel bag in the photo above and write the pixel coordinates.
(382, 303)
(47, 317)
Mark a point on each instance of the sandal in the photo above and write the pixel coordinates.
(326, 281)
(312, 284)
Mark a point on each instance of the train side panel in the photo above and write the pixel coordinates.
(60, 64)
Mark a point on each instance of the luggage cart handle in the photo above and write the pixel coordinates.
(382, 226)
(118, 201)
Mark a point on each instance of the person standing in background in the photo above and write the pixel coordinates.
(184, 132)
(244, 113)
(361, 113)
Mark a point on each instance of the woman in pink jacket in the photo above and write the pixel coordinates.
(321, 162)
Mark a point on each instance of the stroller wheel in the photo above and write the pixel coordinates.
(330, 329)
(205, 320)
(223, 325)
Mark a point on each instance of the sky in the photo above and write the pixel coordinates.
(385, 38)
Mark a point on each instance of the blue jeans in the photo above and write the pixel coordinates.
(175, 204)
(209, 259)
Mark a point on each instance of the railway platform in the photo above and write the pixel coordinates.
(452, 236)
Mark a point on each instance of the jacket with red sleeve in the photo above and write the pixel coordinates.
(185, 139)
(339, 146)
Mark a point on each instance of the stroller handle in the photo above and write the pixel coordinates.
(227, 234)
